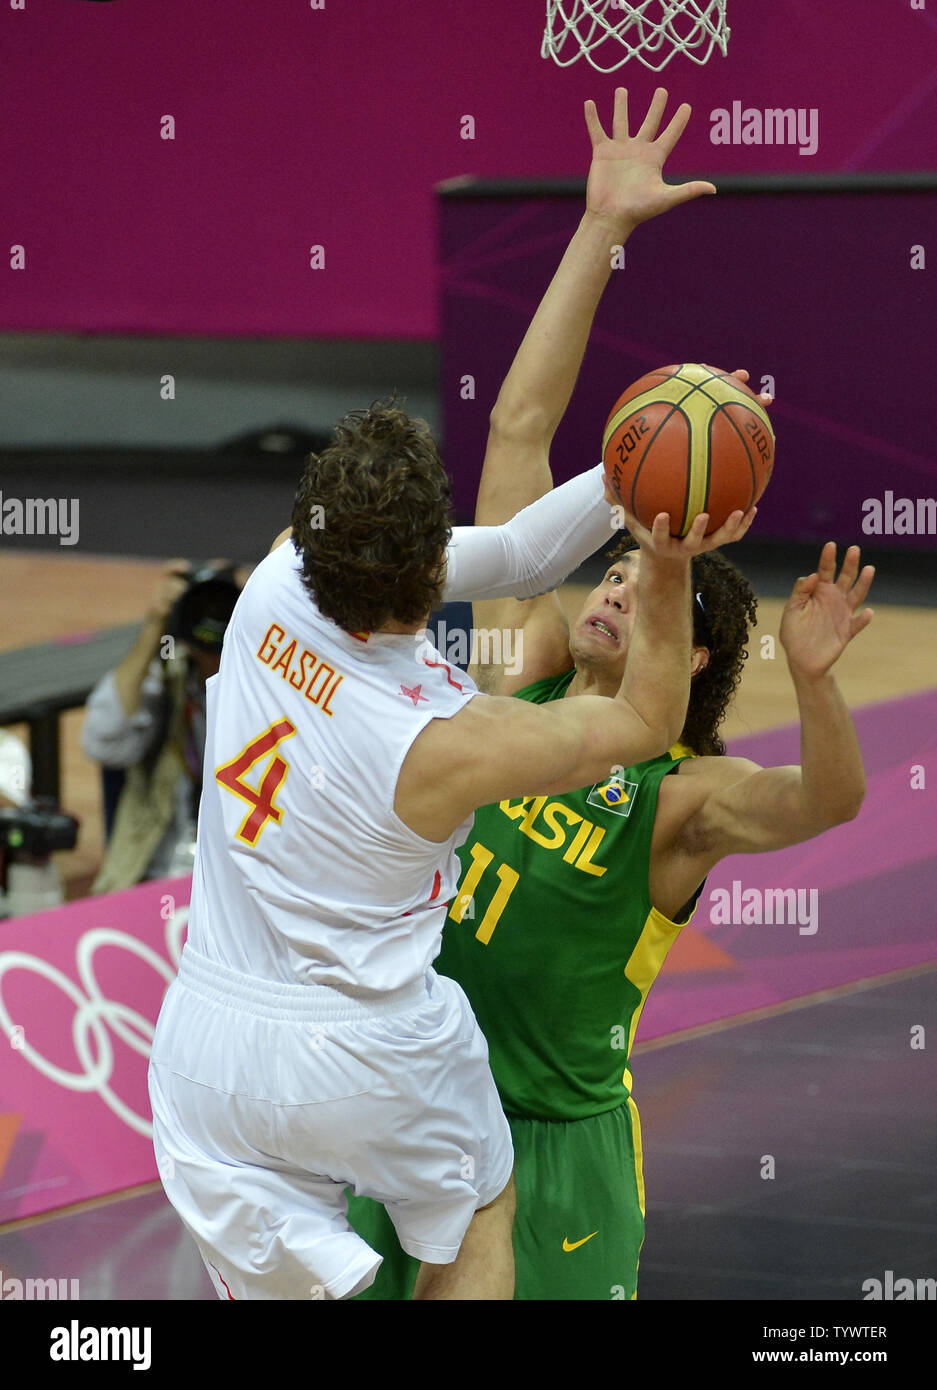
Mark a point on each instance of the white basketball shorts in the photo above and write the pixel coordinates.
(269, 1100)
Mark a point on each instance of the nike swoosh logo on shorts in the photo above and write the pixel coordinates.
(576, 1243)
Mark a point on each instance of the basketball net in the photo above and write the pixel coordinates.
(651, 31)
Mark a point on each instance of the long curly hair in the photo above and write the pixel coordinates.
(371, 520)
(722, 617)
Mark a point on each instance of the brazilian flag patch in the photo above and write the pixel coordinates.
(615, 795)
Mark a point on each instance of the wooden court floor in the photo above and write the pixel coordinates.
(46, 596)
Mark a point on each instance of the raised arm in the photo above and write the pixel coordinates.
(746, 809)
(131, 673)
(625, 187)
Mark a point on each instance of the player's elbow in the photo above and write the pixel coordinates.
(664, 728)
(851, 796)
(851, 808)
(649, 736)
(673, 728)
(661, 708)
(518, 422)
(840, 811)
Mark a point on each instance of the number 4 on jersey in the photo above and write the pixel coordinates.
(231, 775)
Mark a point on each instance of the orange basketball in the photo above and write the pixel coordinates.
(688, 439)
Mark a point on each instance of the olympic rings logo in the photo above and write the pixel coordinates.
(94, 1014)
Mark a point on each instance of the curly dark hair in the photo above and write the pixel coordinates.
(722, 617)
(371, 520)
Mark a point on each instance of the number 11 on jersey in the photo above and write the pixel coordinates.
(507, 882)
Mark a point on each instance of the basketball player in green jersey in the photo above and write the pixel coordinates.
(568, 904)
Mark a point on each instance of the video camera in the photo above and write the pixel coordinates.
(29, 835)
(36, 828)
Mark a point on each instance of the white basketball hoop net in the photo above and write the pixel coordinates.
(651, 31)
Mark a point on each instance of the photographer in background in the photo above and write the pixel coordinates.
(148, 717)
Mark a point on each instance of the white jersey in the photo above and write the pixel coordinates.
(304, 871)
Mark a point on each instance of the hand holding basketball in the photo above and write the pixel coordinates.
(659, 542)
(820, 618)
(625, 178)
(764, 397)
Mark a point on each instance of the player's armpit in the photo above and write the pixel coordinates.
(747, 809)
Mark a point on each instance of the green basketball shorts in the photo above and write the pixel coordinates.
(580, 1212)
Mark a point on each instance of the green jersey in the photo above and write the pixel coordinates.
(553, 937)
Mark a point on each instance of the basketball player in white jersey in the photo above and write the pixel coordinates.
(307, 1045)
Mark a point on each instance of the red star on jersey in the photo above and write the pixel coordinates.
(414, 694)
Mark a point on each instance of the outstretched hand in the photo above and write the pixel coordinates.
(820, 618)
(625, 178)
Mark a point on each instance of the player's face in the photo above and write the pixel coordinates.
(601, 633)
